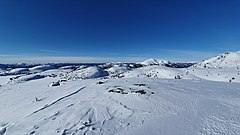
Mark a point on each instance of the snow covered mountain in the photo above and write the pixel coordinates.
(149, 97)
(151, 62)
(224, 67)
(226, 60)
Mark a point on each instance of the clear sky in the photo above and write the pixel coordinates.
(121, 29)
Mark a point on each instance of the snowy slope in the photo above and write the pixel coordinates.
(159, 72)
(223, 75)
(226, 60)
(224, 67)
(192, 73)
(143, 106)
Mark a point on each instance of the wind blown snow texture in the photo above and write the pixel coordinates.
(150, 97)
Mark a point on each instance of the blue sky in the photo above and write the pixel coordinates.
(122, 29)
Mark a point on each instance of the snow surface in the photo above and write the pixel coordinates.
(122, 99)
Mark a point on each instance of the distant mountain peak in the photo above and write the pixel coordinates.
(150, 62)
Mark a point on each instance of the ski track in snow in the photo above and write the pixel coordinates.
(48, 105)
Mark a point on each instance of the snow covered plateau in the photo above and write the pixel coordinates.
(153, 97)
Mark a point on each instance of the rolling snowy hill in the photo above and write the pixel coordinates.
(224, 67)
(226, 60)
